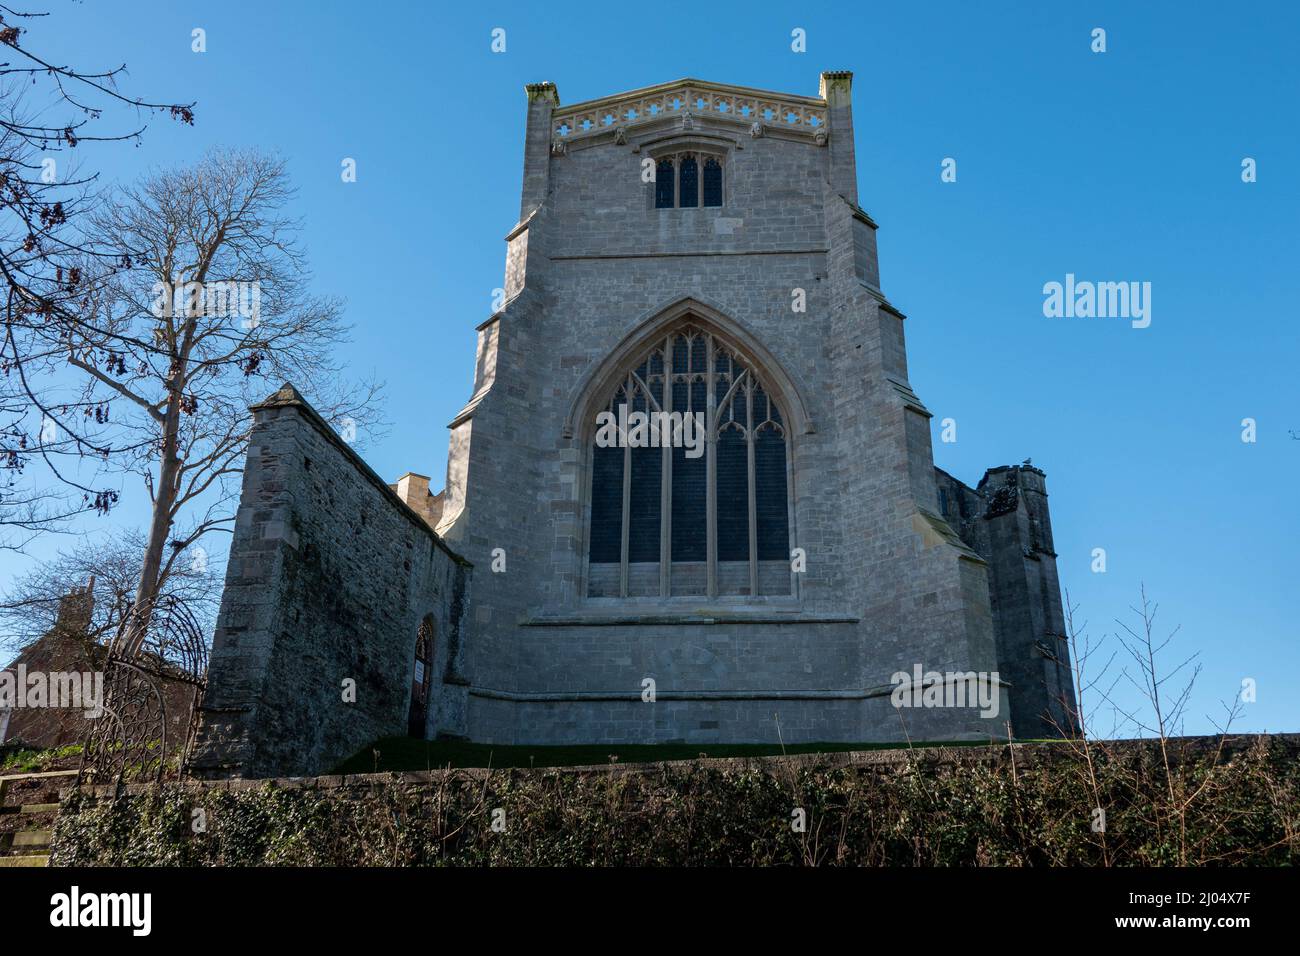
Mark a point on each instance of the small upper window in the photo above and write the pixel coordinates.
(680, 183)
(665, 195)
(712, 182)
(689, 179)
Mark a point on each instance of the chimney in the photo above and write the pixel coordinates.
(75, 609)
(413, 489)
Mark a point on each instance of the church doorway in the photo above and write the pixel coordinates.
(421, 678)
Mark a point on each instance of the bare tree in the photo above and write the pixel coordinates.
(48, 110)
(1078, 731)
(111, 570)
(1189, 775)
(26, 511)
(203, 309)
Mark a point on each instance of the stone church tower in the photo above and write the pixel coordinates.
(692, 253)
(700, 247)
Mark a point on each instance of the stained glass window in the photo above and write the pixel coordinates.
(684, 513)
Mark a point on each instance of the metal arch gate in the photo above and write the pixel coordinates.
(129, 740)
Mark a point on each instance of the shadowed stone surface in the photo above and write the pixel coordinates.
(330, 575)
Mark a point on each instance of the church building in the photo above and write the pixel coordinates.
(692, 497)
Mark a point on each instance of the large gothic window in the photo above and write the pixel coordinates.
(689, 494)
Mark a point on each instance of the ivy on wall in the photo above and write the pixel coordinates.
(1243, 809)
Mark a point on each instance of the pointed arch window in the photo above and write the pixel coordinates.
(680, 512)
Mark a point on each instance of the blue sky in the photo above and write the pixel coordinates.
(1118, 166)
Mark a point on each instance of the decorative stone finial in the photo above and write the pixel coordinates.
(542, 91)
(835, 81)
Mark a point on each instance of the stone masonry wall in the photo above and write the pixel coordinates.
(1006, 520)
(330, 575)
(594, 268)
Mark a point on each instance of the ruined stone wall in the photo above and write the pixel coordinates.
(1006, 520)
(330, 576)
